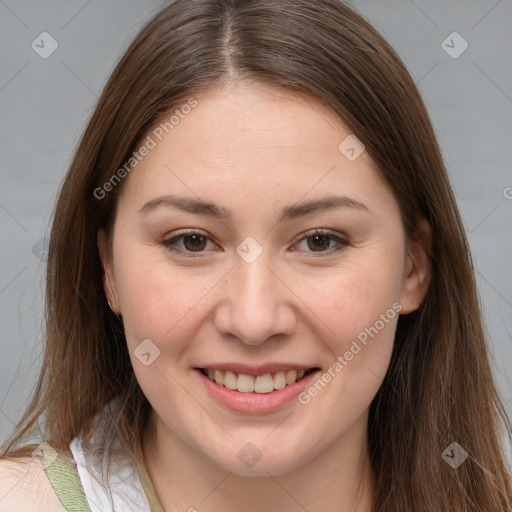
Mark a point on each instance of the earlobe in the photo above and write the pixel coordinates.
(417, 271)
(108, 275)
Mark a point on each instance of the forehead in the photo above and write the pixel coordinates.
(249, 142)
(247, 118)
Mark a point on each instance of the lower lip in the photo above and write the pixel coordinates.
(256, 403)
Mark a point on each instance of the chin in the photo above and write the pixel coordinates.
(254, 462)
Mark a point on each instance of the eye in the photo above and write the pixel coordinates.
(194, 243)
(189, 243)
(321, 242)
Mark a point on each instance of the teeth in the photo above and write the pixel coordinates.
(245, 383)
(291, 377)
(230, 380)
(218, 377)
(264, 383)
(279, 380)
(260, 384)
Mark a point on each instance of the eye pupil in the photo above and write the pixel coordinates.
(319, 242)
(197, 241)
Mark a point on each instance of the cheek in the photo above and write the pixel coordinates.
(159, 300)
(357, 309)
(356, 373)
(352, 297)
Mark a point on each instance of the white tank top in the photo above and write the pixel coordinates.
(109, 476)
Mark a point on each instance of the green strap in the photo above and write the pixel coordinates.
(65, 480)
(154, 504)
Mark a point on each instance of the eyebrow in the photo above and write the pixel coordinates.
(200, 207)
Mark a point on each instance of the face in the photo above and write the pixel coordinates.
(249, 246)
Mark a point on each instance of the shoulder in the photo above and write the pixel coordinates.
(25, 487)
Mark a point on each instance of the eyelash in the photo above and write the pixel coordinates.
(169, 244)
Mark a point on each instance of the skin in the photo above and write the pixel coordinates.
(255, 150)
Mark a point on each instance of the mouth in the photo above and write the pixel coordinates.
(261, 384)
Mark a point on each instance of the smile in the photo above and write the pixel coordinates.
(245, 383)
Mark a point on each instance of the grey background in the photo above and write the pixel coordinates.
(45, 104)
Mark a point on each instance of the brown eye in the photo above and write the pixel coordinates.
(189, 244)
(194, 243)
(319, 242)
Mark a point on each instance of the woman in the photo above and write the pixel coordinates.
(260, 294)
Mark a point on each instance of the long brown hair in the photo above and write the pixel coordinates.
(439, 387)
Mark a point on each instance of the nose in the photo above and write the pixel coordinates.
(256, 305)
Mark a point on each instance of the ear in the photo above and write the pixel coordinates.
(109, 282)
(417, 269)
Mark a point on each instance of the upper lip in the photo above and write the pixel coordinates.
(256, 370)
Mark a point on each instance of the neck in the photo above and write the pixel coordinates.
(338, 479)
